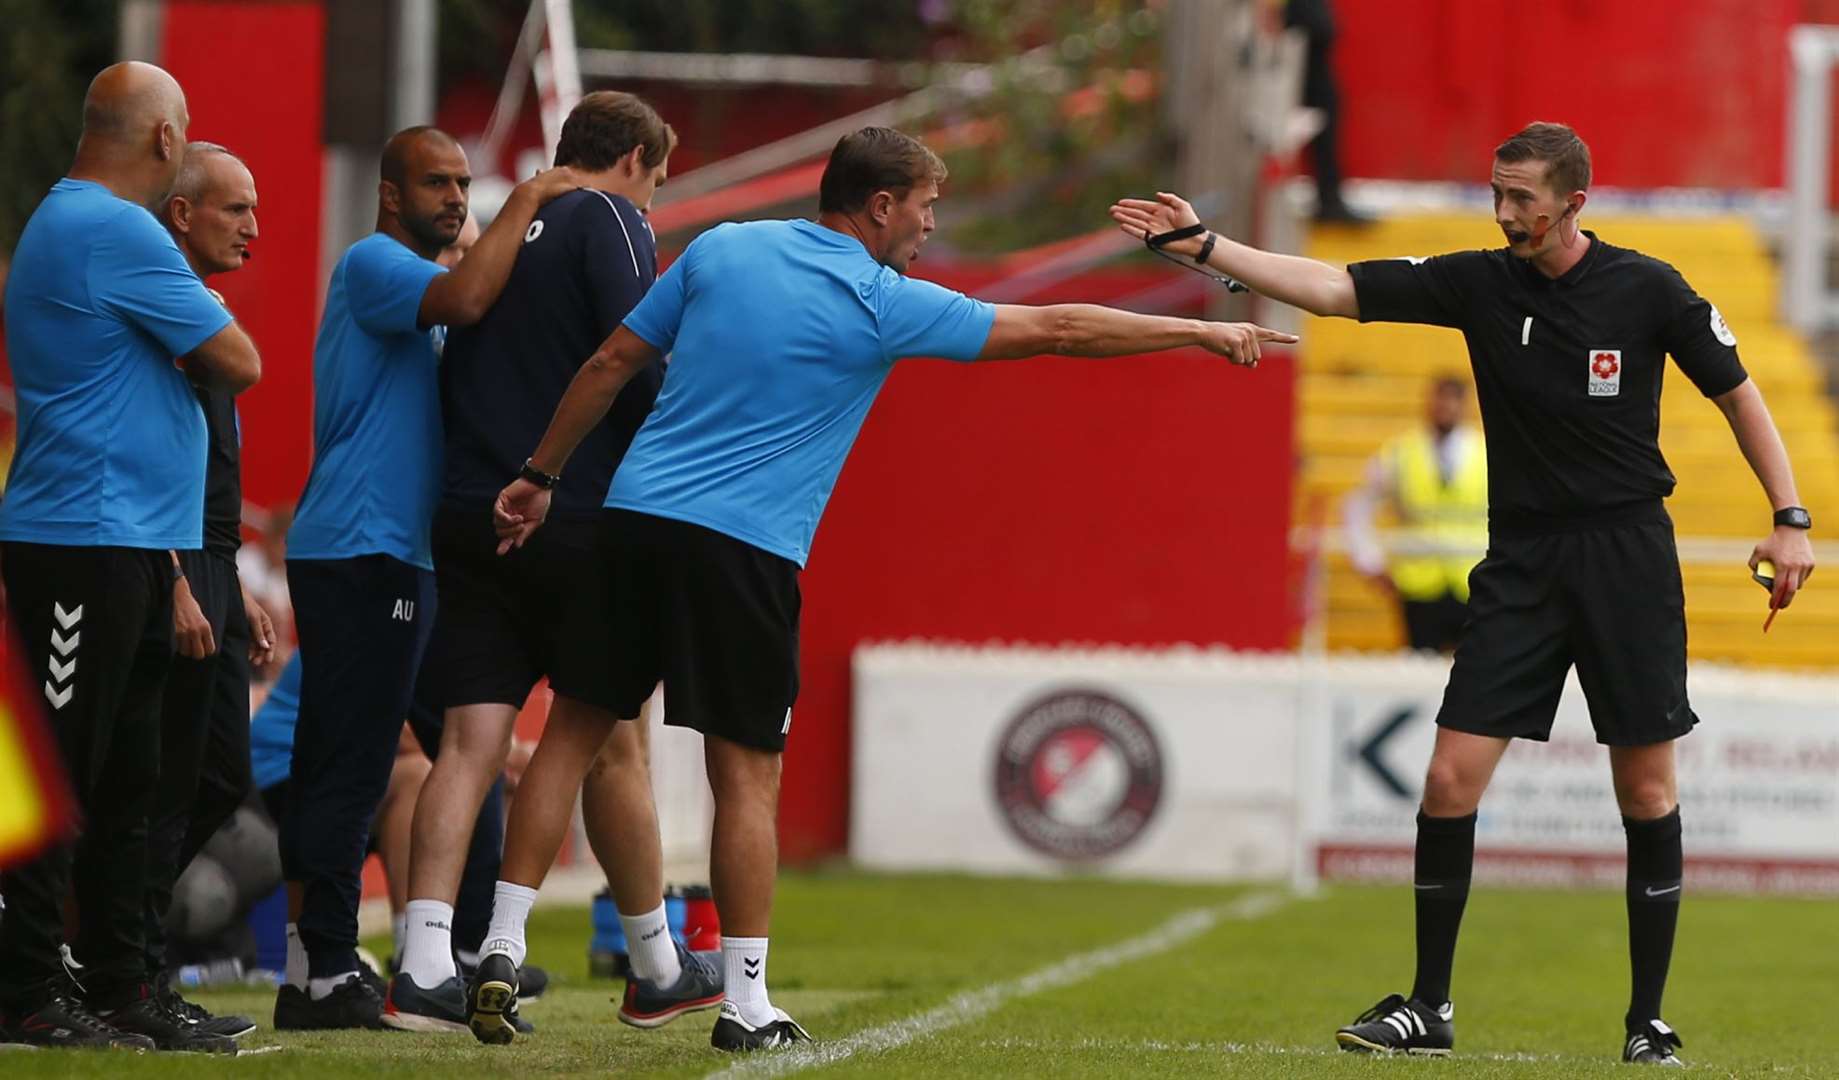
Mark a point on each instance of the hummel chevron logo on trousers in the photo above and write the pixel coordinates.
(60, 686)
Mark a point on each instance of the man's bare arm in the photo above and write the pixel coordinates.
(1095, 330)
(1787, 547)
(462, 296)
(1316, 287)
(227, 360)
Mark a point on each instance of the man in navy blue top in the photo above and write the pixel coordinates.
(359, 566)
(107, 482)
(780, 334)
(204, 738)
(585, 261)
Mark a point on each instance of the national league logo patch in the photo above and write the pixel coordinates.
(1605, 372)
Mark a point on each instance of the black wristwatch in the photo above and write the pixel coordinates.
(1795, 517)
(537, 476)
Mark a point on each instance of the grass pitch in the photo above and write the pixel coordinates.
(950, 976)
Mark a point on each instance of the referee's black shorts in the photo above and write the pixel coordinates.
(1604, 595)
(502, 617)
(713, 618)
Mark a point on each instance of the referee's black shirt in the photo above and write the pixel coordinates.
(1567, 370)
(585, 261)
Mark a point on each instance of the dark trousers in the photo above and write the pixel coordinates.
(472, 907)
(363, 624)
(95, 628)
(204, 740)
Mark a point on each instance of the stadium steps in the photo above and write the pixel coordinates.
(1360, 385)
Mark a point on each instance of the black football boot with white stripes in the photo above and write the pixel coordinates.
(1398, 1026)
(1652, 1043)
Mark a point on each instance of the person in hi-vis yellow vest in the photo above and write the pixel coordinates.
(1436, 480)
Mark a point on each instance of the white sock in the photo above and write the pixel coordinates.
(427, 952)
(319, 988)
(511, 905)
(653, 951)
(399, 926)
(296, 974)
(744, 982)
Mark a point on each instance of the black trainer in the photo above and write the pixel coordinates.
(64, 1022)
(491, 1000)
(532, 981)
(151, 1016)
(407, 1007)
(736, 1035)
(648, 1005)
(352, 1004)
(230, 1027)
(1398, 1026)
(1653, 1043)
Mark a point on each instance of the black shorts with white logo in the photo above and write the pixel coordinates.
(502, 617)
(711, 617)
(1606, 596)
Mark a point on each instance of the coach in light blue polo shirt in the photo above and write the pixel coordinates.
(105, 324)
(358, 564)
(781, 333)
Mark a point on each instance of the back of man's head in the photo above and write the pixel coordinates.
(609, 124)
(875, 159)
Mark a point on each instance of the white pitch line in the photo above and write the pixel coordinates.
(976, 1004)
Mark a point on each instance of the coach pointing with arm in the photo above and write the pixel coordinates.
(1568, 335)
(781, 333)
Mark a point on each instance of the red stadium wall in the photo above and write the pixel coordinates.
(1141, 501)
(253, 77)
(1667, 92)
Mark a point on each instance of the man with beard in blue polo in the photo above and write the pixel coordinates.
(359, 566)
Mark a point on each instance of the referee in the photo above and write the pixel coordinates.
(1568, 335)
(108, 481)
(358, 561)
(781, 334)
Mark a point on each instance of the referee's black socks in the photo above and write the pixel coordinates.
(1445, 861)
(1655, 867)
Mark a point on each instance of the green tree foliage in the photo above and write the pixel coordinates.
(49, 50)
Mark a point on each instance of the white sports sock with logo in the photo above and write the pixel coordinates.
(399, 927)
(653, 951)
(427, 952)
(744, 982)
(296, 974)
(511, 904)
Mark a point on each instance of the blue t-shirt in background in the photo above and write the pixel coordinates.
(112, 443)
(780, 335)
(376, 412)
(271, 729)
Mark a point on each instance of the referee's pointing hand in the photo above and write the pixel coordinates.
(517, 512)
(1239, 342)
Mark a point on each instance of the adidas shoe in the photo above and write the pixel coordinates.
(407, 1007)
(353, 1004)
(648, 1005)
(734, 1034)
(491, 1000)
(230, 1027)
(1396, 1025)
(1652, 1043)
(151, 1016)
(64, 1022)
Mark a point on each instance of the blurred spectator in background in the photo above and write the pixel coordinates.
(1436, 480)
(1321, 91)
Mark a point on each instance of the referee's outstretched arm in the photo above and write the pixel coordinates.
(1316, 287)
